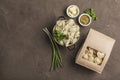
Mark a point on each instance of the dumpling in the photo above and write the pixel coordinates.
(91, 50)
(98, 60)
(91, 59)
(70, 22)
(77, 34)
(65, 32)
(66, 42)
(61, 23)
(74, 40)
(86, 51)
(73, 29)
(90, 54)
(77, 28)
(85, 56)
(71, 35)
(61, 42)
(100, 55)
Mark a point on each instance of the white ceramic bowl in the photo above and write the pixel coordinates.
(90, 19)
(68, 13)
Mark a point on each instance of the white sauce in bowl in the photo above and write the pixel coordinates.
(73, 11)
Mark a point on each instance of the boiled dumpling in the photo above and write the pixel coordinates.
(86, 51)
(72, 30)
(91, 50)
(100, 55)
(74, 40)
(91, 59)
(65, 32)
(90, 54)
(71, 22)
(71, 36)
(61, 42)
(66, 27)
(77, 34)
(59, 23)
(67, 42)
(77, 28)
(98, 60)
(85, 56)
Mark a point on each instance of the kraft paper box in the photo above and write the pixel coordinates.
(98, 42)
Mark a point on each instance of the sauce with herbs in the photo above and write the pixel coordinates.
(84, 19)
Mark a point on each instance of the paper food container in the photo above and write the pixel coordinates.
(95, 52)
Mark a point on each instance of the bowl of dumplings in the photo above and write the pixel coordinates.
(66, 32)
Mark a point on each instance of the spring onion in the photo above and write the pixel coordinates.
(56, 57)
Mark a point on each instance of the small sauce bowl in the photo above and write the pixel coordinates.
(73, 11)
(84, 19)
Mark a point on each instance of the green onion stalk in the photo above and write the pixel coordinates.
(56, 57)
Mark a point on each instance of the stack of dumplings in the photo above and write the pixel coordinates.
(93, 55)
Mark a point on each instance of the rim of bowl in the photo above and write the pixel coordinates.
(86, 15)
(61, 44)
(69, 14)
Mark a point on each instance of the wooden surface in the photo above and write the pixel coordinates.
(25, 51)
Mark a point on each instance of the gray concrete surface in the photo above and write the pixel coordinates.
(25, 51)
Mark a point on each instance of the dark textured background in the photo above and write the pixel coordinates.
(25, 51)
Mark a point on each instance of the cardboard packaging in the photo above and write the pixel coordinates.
(99, 42)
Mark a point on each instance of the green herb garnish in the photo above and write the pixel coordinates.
(56, 57)
(58, 35)
(91, 12)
